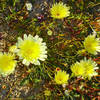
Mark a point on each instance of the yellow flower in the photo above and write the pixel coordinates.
(84, 68)
(7, 64)
(31, 49)
(90, 67)
(61, 77)
(92, 44)
(59, 11)
(49, 32)
(78, 69)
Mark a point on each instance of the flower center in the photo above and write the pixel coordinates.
(58, 14)
(60, 79)
(30, 50)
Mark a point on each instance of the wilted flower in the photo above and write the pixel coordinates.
(7, 63)
(61, 77)
(59, 10)
(31, 49)
(92, 44)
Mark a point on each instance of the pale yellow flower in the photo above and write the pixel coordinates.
(59, 11)
(84, 68)
(92, 44)
(31, 49)
(78, 69)
(90, 67)
(61, 77)
(7, 63)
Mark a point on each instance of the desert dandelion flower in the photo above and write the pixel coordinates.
(92, 44)
(31, 49)
(7, 63)
(77, 69)
(90, 67)
(85, 68)
(59, 10)
(61, 77)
